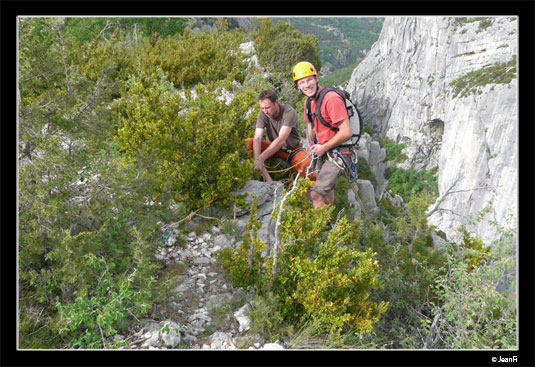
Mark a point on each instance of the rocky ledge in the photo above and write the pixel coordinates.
(205, 311)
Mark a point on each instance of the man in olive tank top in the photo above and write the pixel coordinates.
(280, 123)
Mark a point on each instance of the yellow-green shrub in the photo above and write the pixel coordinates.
(191, 58)
(317, 276)
(191, 142)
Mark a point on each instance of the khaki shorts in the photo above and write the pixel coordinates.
(327, 177)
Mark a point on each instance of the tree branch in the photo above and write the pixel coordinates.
(277, 226)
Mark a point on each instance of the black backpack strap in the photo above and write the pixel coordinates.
(309, 115)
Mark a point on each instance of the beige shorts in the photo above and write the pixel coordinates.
(327, 177)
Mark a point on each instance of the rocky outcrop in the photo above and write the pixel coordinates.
(371, 151)
(208, 312)
(447, 88)
(204, 311)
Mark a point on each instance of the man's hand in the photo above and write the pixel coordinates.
(318, 149)
(259, 165)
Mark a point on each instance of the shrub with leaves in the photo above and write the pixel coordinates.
(477, 309)
(191, 58)
(409, 266)
(95, 317)
(283, 46)
(191, 142)
(77, 196)
(407, 183)
(317, 276)
(245, 266)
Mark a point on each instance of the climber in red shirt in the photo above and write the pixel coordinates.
(321, 139)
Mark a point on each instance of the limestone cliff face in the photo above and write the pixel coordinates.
(447, 88)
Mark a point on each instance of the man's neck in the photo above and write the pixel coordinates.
(318, 90)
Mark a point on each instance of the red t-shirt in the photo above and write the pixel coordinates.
(333, 110)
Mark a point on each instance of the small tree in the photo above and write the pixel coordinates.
(313, 275)
(192, 142)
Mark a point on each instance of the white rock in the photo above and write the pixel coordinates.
(166, 333)
(272, 346)
(221, 340)
(243, 320)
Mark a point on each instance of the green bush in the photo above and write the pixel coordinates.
(189, 58)
(472, 83)
(283, 46)
(313, 277)
(91, 319)
(266, 319)
(365, 172)
(368, 129)
(245, 265)
(474, 312)
(410, 182)
(193, 145)
(393, 151)
(409, 265)
(77, 196)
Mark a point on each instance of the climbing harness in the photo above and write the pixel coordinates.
(346, 162)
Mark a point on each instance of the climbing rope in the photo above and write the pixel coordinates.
(287, 169)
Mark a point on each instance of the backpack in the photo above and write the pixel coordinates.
(355, 119)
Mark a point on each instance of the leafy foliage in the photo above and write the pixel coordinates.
(191, 143)
(116, 124)
(189, 58)
(85, 29)
(69, 164)
(93, 318)
(283, 46)
(75, 190)
(393, 150)
(478, 308)
(407, 183)
(365, 172)
(316, 278)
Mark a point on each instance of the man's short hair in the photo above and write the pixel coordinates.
(268, 94)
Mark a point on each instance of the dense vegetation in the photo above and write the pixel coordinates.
(351, 36)
(120, 119)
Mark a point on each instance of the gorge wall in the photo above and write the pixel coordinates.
(447, 88)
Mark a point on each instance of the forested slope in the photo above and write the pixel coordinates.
(128, 125)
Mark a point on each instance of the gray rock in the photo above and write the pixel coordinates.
(223, 241)
(265, 191)
(202, 260)
(221, 340)
(404, 89)
(163, 334)
(377, 154)
(243, 320)
(367, 194)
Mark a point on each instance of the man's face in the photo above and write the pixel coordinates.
(269, 108)
(308, 85)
